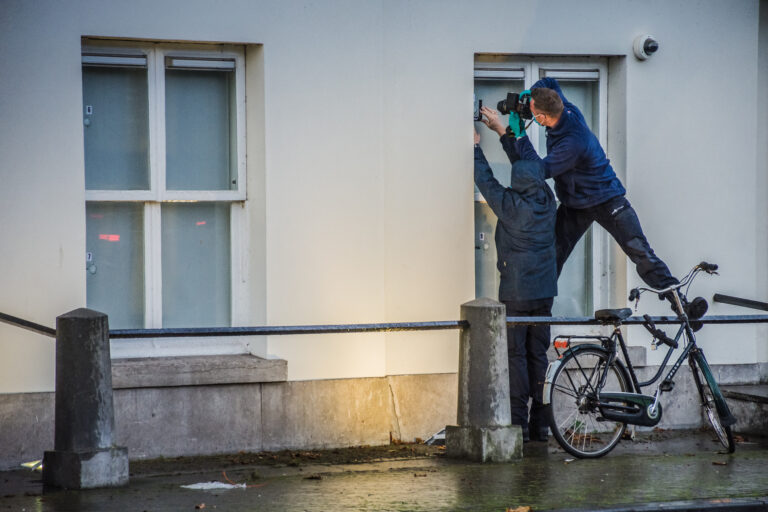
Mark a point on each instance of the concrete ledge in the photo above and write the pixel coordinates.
(484, 444)
(749, 404)
(208, 419)
(757, 393)
(228, 418)
(159, 372)
(422, 404)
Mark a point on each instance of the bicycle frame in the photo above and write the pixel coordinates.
(666, 384)
(690, 351)
(588, 395)
(609, 344)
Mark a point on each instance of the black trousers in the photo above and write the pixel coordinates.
(620, 220)
(527, 352)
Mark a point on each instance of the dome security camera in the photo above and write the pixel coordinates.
(644, 46)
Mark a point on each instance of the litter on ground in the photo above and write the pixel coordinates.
(207, 486)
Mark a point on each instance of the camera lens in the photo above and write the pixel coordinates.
(650, 46)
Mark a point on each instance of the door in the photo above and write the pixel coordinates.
(583, 83)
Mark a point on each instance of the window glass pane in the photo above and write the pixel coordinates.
(115, 262)
(575, 284)
(200, 130)
(583, 94)
(574, 287)
(487, 276)
(196, 265)
(116, 128)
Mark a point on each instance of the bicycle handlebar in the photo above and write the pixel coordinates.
(709, 268)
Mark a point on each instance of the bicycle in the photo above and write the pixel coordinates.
(591, 395)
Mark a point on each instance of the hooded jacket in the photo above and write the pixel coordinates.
(582, 172)
(525, 232)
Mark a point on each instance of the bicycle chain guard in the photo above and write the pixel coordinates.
(613, 406)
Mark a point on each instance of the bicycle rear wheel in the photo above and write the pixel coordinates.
(708, 391)
(574, 416)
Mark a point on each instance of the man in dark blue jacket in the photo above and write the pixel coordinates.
(525, 247)
(585, 182)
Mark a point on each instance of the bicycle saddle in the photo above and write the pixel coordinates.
(612, 315)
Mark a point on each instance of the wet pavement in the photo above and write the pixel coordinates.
(680, 470)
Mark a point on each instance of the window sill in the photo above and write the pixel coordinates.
(158, 372)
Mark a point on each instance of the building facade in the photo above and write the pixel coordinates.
(196, 164)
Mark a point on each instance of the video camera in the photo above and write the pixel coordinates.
(512, 103)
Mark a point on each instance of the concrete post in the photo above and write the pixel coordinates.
(484, 432)
(84, 455)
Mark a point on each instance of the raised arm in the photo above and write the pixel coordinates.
(493, 191)
(508, 143)
(562, 158)
(492, 120)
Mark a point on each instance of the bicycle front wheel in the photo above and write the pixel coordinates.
(574, 415)
(708, 390)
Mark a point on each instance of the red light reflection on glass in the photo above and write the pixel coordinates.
(201, 223)
(110, 238)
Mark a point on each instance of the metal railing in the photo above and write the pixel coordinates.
(636, 320)
(26, 324)
(738, 301)
(404, 326)
(193, 332)
(291, 329)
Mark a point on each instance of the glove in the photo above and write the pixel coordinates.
(516, 125)
(526, 92)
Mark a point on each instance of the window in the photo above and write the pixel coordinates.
(584, 84)
(164, 136)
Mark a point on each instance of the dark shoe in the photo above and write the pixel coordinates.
(526, 434)
(696, 309)
(540, 434)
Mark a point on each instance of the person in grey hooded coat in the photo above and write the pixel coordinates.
(526, 259)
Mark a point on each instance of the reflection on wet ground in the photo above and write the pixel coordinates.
(659, 467)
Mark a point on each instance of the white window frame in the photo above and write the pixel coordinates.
(531, 70)
(153, 199)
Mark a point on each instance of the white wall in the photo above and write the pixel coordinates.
(690, 171)
(42, 235)
(761, 183)
(367, 159)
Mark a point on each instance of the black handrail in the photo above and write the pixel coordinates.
(738, 301)
(26, 324)
(635, 320)
(276, 330)
(192, 332)
(405, 326)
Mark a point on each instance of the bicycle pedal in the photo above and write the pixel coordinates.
(667, 385)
